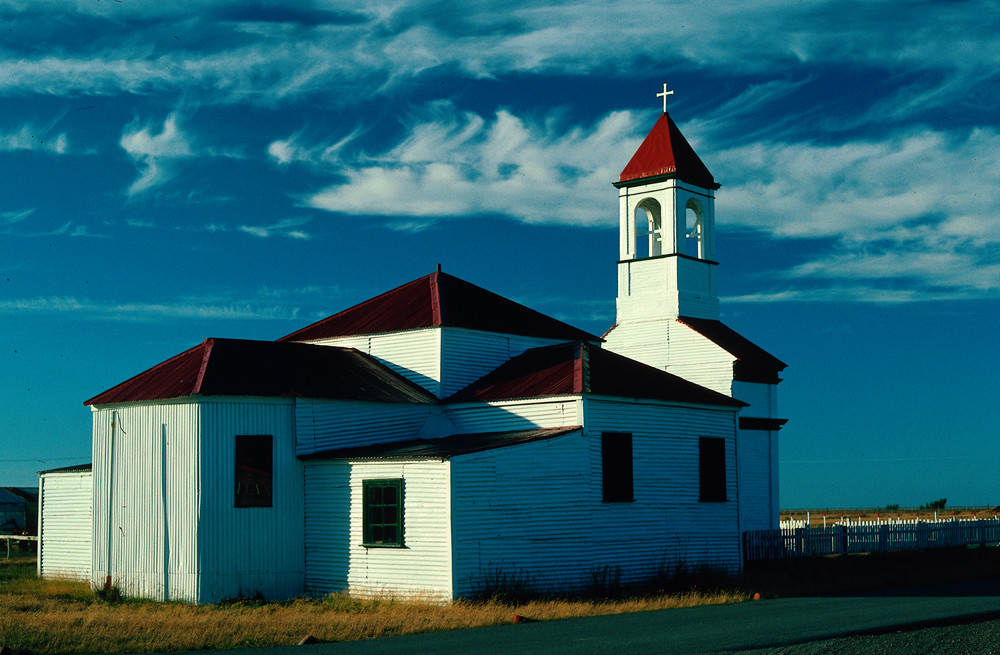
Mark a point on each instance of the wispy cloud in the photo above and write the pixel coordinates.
(295, 149)
(31, 137)
(10, 218)
(458, 164)
(388, 44)
(97, 310)
(288, 227)
(156, 154)
(921, 207)
(159, 155)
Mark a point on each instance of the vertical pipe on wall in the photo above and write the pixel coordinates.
(111, 496)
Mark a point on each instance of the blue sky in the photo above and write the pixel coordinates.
(174, 171)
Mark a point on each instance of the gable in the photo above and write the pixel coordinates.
(582, 368)
(439, 300)
(753, 363)
(237, 367)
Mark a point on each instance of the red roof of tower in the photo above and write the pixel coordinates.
(439, 300)
(666, 152)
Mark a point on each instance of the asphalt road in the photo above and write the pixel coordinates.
(789, 625)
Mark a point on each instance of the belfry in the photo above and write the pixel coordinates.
(668, 303)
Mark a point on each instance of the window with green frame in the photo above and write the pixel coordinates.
(382, 510)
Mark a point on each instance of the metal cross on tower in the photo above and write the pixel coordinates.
(664, 96)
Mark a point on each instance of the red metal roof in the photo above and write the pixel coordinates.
(753, 363)
(439, 300)
(238, 367)
(443, 447)
(665, 151)
(583, 368)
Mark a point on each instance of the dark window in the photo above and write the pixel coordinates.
(712, 469)
(383, 512)
(616, 466)
(254, 470)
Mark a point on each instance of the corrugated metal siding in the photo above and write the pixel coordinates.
(414, 354)
(335, 558)
(246, 551)
(696, 278)
(324, 424)
(683, 530)
(755, 481)
(534, 513)
(524, 514)
(500, 416)
(643, 341)
(695, 358)
(762, 397)
(468, 355)
(146, 499)
(65, 505)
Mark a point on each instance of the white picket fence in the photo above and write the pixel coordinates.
(868, 537)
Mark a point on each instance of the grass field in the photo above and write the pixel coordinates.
(44, 616)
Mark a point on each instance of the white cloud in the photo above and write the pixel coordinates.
(92, 309)
(293, 150)
(285, 228)
(918, 207)
(156, 155)
(453, 164)
(386, 44)
(9, 218)
(921, 207)
(31, 137)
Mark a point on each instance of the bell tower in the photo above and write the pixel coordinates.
(666, 199)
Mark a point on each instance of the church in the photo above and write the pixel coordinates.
(440, 440)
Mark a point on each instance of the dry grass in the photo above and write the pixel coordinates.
(43, 616)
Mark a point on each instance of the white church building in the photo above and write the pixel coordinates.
(438, 439)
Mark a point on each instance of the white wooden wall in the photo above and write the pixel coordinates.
(335, 558)
(65, 502)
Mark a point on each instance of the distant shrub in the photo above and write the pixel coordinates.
(892, 508)
(935, 504)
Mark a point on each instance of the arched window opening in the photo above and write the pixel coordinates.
(694, 230)
(648, 236)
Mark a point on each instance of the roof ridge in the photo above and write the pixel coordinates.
(207, 344)
(437, 315)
